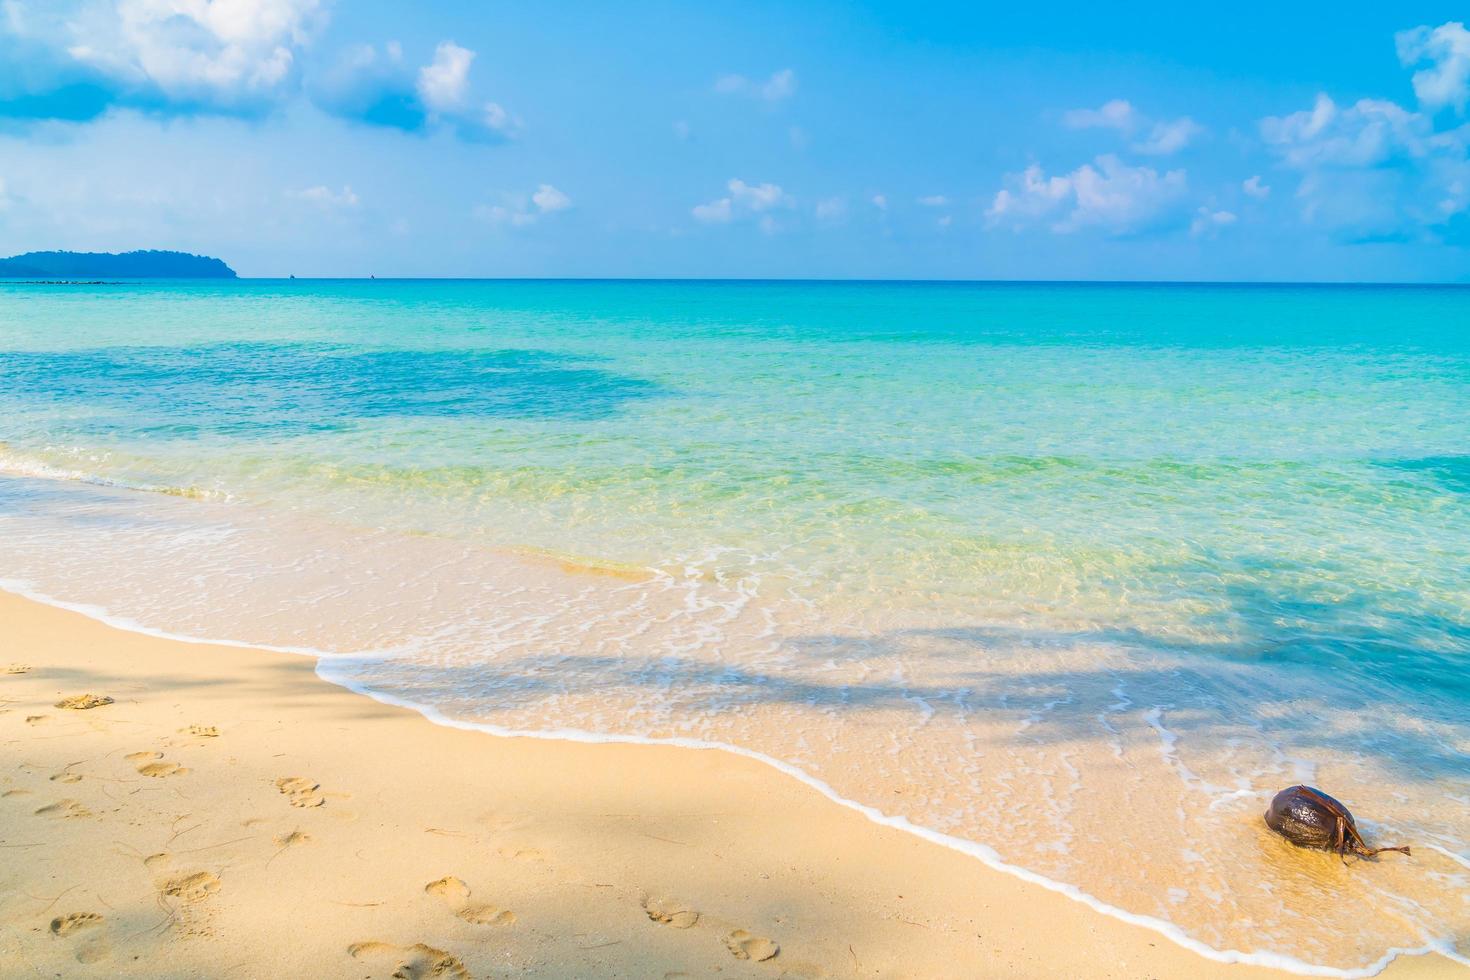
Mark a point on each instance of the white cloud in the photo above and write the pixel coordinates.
(444, 82)
(1447, 48)
(4, 195)
(880, 201)
(15, 16)
(231, 52)
(1373, 170)
(756, 197)
(934, 201)
(227, 53)
(1107, 194)
(781, 85)
(715, 212)
(1253, 187)
(327, 199)
(1207, 221)
(743, 199)
(831, 209)
(381, 90)
(681, 130)
(1369, 133)
(500, 214)
(495, 117)
(1033, 194)
(362, 56)
(1117, 114)
(246, 55)
(1161, 137)
(945, 221)
(519, 211)
(548, 199)
(1169, 137)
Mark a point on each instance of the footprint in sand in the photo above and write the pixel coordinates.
(192, 888)
(84, 702)
(456, 895)
(151, 764)
(65, 925)
(157, 860)
(94, 947)
(744, 946)
(186, 898)
(15, 669)
(523, 853)
(451, 889)
(667, 912)
(93, 950)
(37, 719)
(416, 962)
(294, 839)
(64, 809)
(67, 777)
(14, 792)
(486, 915)
(300, 791)
(200, 731)
(284, 843)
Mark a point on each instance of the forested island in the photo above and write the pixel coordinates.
(149, 264)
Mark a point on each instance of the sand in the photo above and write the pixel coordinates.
(184, 810)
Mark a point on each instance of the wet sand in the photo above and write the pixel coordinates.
(227, 813)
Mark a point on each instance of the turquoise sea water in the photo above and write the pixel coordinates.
(1053, 569)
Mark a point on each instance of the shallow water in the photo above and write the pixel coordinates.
(1083, 574)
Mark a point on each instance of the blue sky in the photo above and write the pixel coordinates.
(1322, 142)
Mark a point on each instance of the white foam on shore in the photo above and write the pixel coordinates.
(327, 660)
(26, 591)
(1459, 859)
(15, 464)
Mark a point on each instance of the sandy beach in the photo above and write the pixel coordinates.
(227, 813)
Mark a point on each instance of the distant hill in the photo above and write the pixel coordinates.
(108, 265)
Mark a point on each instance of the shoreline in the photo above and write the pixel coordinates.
(772, 872)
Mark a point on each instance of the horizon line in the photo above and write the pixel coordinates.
(751, 280)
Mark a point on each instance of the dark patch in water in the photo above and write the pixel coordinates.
(242, 389)
(1451, 472)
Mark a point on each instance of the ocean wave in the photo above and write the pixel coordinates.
(17, 463)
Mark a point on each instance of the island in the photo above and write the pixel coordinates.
(150, 264)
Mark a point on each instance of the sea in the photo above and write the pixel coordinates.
(1070, 578)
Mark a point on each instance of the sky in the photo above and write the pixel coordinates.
(816, 139)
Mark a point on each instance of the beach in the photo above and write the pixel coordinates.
(694, 491)
(229, 814)
(1058, 584)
